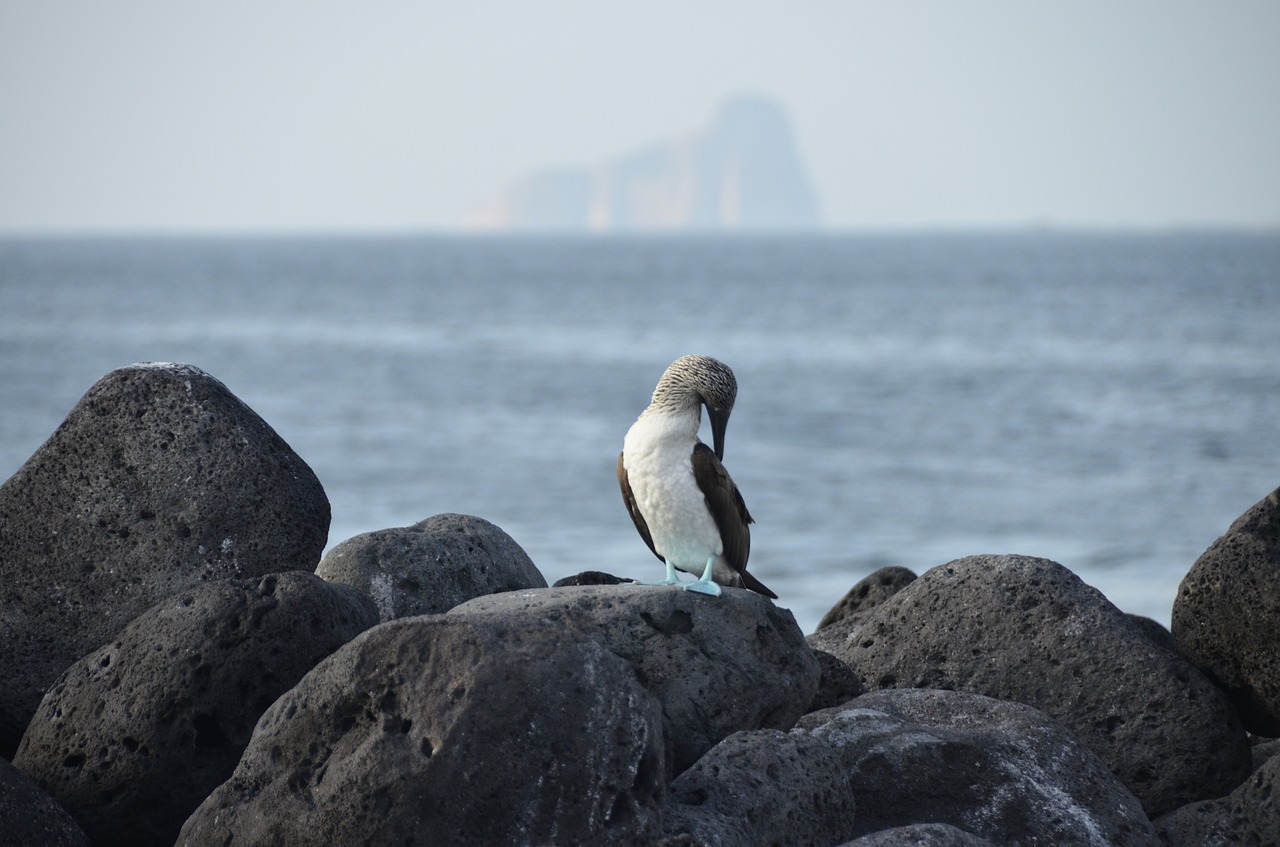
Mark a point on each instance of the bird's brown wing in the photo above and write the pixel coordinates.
(632, 509)
(729, 512)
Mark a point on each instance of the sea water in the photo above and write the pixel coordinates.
(1111, 402)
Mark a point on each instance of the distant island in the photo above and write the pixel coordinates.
(741, 173)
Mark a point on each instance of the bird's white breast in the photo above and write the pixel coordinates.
(657, 455)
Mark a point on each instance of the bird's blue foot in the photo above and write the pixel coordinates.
(671, 579)
(703, 586)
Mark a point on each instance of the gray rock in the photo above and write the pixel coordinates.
(1028, 630)
(159, 479)
(717, 664)
(30, 818)
(1248, 815)
(432, 566)
(134, 736)
(866, 594)
(590, 578)
(1001, 771)
(449, 730)
(920, 835)
(764, 787)
(837, 683)
(1226, 617)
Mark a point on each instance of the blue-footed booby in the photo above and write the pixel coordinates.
(680, 497)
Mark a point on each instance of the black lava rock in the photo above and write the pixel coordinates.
(1226, 618)
(590, 578)
(134, 736)
(920, 835)
(998, 770)
(30, 818)
(866, 594)
(1248, 815)
(159, 479)
(717, 664)
(837, 684)
(432, 566)
(1028, 630)
(450, 730)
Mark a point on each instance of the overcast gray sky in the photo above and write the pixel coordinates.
(378, 114)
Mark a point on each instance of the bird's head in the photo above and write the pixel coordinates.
(700, 380)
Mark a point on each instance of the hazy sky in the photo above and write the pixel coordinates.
(230, 115)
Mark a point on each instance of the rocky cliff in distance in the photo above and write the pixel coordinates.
(741, 173)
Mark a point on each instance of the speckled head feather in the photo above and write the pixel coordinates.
(691, 380)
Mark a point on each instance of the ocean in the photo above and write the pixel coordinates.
(1111, 402)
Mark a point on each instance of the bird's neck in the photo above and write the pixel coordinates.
(658, 425)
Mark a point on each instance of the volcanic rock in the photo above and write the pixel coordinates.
(450, 730)
(1028, 630)
(1248, 815)
(866, 594)
(998, 770)
(717, 664)
(920, 835)
(134, 736)
(30, 818)
(159, 479)
(431, 566)
(1226, 618)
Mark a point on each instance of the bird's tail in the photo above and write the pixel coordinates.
(749, 581)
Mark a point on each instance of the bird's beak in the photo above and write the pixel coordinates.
(719, 420)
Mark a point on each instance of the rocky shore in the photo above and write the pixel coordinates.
(181, 666)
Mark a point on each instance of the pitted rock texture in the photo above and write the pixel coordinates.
(717, 664)
(920, 835)
(30, 818)
(432, 566)
(442, 730)
(837, 684)
(866, 594)
(1028, 630)
(1248, 815)
(1000, 771)
(1226, 618)
(134, 736)
(159, 479)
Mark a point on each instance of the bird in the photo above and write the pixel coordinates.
(683, 502)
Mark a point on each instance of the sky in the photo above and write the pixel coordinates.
(390, 115)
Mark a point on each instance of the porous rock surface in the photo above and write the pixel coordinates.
(158, 479)
(997, 770)
(920, 835)
(717, 664)
(866, 594)
(1248, 815)
(837, 682)
(1226, 617)
(30, 818)
(134, 736)
(432, 566)
(444, 730)
(1028, 630)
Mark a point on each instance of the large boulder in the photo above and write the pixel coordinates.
(1248, 815)
(1226, 617)
(1028, 630)
(920, 835)
(1001, 771)
(432, 566)
(866, 594)
(444, 730)
(134, 736)
(30, 818)
(717, 664)
(159, 479)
